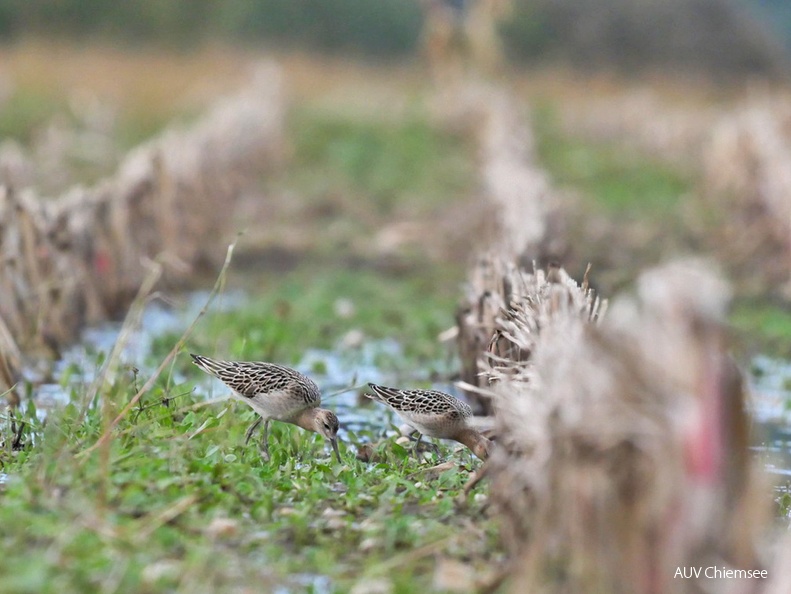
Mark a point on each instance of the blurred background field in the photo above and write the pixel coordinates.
(400, 135)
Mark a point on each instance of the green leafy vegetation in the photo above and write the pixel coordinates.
(763, 327)
(140, 124)
(315, 308)
(25, 111)
(176, 502)
(645, 207)
(783, 501)
(403, 164)
(619, 181)
(28, 110)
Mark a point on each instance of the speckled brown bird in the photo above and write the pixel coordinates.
(435, 414)
(276, 393)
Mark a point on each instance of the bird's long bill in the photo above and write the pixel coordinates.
(334, 442)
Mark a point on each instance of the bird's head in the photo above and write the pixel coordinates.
(482, 447)
(326, 424)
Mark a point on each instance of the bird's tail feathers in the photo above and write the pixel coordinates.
(208, 365)
(382, 393)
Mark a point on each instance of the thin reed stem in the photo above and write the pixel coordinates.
(218, 285)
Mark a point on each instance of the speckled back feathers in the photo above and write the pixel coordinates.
(423, 402)
(254, 378)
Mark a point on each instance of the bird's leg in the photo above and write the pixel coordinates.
(265, 442)
(250, 430)
(417, 444)
(432, 446)
(435, 448)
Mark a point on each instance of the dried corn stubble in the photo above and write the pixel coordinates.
(81, 257)
(623, 446)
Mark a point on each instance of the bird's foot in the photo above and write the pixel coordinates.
(422, 446)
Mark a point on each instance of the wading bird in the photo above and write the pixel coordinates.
(434, 414)
(276, 393)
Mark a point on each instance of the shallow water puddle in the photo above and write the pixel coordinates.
(318, 584)
(770, 387)
(81, 362)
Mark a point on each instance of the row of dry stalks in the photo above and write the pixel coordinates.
(622, 432)
(82, 256)
(526, 208)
